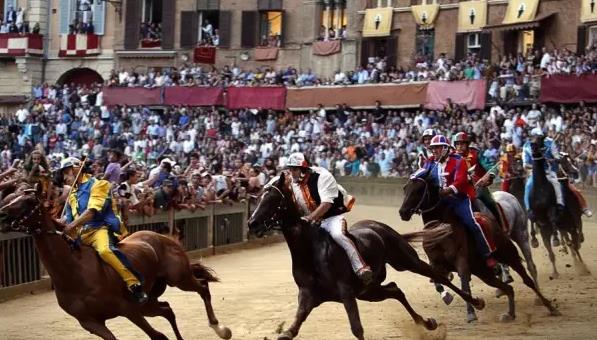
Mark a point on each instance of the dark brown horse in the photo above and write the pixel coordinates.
(321, 268)
(91, 291)
(456, 251)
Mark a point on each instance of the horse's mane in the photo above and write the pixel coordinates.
(433, 233)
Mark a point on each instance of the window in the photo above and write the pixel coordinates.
(208, 32)
(82, 16)
(151, 23)
(425, 41)
(473, 43)
(270, 28)
(592, 42)
(333, 21)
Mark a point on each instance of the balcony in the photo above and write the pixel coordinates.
(79, 45)
(19, 45)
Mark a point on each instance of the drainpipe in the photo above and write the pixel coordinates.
(44, 60)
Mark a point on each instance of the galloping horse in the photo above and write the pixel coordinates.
(543, 204)
(321, 268)
(91, 291)
(455, 251)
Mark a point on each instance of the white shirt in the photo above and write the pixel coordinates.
(327, 188)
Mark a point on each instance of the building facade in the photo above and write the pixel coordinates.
(84, 40)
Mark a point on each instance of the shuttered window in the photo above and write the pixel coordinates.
(248, 36)
(189, 21)
(581, 39)
(486, 45)
(132, 24)
(224, 29)
(208, 5)
(459, 47)
(65, 15)
(99, 17)
(168, 20)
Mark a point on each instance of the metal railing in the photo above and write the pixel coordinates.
(217, 225)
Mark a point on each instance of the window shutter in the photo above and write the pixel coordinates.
(132, 24)
(366, 51)
(284, 30)
(189, 23)
(65, 15)
(248, 36)
(8, 4)
(391, 50)
(168, 19)
(99, 17)
(224, 29)
(485, 45)
(460, 46)
(581, 39)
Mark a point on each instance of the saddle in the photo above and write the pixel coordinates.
(486, 224)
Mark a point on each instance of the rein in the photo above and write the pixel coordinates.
(36, 230)
(417, 209)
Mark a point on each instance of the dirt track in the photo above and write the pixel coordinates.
(258, 294)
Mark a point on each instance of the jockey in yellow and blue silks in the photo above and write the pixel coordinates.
(91, 210)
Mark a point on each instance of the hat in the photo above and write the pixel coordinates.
(168, 160)
(70, 162)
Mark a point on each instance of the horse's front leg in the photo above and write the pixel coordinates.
(352, 309)
(306, 303)
(97, 328)
(465, 278)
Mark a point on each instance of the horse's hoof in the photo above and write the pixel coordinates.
(555, 312)
(554, 276)
(286, 335)
(471, 317)
(506, 317)
(499, 293)
(555, 242)
(479, 304)
(222, 331)
(538, 302)
(431, 324)
(534, 243)
(447, 297)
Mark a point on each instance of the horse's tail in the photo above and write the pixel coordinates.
(205, 273)
(433, 233)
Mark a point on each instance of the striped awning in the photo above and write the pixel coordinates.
(519, 26)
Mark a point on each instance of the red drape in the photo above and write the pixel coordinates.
(468, 92)
(569, 89)
(205, 55)
(131, 96)
(194, 96)
(257, 97)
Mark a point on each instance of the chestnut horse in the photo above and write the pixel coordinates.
(91, 291)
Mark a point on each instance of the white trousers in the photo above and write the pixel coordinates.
(557, 186)
(334, 226)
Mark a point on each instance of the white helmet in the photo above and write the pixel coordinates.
(537, 132)
(297, 159)
(70, 162)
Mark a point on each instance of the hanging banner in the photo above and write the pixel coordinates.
(521, 11)
(471, 93)
(472, 16)
(568, 89)
(425, 15)
(378, 22)
(257, 98)
(588, 10)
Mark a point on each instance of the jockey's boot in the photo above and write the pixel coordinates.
(365, 275)
(138, 294)
(587, 212)
(491, 262)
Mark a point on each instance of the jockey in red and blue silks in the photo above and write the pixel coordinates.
(450, 172)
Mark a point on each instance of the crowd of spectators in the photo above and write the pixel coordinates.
(15, 22)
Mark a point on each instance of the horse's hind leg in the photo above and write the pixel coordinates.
(97, 328)
(306, 303)
(157, 308)
(391, 291)
(523, 243)
(142, 323)
(465, 282)
(191, 284)
(517, 266)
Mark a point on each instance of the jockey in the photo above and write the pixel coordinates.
(482, 174)
(451, 172)
(424, 154)
(320, 198)
(91, 207)
(507, 161)
(569, 181)
(551, 155)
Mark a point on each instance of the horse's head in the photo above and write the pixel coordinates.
(567, 165)
(537, 146)
(419, 194)
(272, 206)
(23, 213)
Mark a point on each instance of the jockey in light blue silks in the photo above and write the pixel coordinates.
(552, 155)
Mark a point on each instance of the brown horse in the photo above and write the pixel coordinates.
(91, 291)
(455, 250)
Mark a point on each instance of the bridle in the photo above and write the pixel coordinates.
(426, 197)
(274, 221)
(33, 228)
